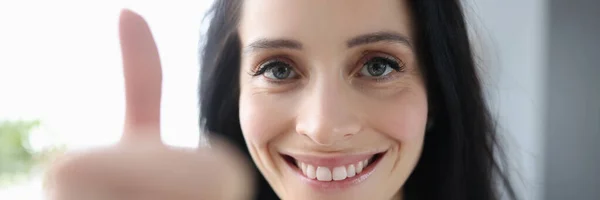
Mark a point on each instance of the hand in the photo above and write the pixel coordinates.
(140, 166)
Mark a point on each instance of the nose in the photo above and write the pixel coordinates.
(327, 114)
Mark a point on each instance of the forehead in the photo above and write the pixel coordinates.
(321, 20)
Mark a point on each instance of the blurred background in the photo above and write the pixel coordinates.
(61, 85)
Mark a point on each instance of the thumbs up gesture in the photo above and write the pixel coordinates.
(140, 166)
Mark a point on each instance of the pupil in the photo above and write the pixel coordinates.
(376, 69)
(281, 72)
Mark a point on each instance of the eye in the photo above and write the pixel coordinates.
(379, 66)
(276, 70)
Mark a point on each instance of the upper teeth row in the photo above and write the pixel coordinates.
(337, 174)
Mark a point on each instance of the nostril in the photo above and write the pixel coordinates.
(348, 129)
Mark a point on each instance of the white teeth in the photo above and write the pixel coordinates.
(351, 171)
(323, 174)
(310, 172)
(303, 167)
(339, 173)
(359, 167)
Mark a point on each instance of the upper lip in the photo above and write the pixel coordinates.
(331, 160)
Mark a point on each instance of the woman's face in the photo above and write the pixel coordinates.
(332, 101)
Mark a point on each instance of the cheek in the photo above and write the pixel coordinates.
(253, 119)
(403, 117)
(261, 118)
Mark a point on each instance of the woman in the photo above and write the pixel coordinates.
(311, 88)
(337, 99)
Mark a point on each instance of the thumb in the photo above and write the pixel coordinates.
(143, 78)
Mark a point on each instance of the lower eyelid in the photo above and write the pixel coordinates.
(389, 77)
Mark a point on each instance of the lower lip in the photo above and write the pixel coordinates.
(336, 185)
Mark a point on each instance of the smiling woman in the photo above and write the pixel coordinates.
(351, 99)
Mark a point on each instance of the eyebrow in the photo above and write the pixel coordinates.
(382, 36)
(273, 44)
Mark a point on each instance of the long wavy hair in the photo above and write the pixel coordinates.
(461, 158)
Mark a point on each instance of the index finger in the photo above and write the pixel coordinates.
(143, 77)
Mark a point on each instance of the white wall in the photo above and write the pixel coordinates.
(509, 36)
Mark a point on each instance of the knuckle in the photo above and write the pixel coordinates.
(66, 169)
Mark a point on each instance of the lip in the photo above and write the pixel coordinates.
(332, 161)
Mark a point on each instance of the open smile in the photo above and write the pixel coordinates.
(333, 172)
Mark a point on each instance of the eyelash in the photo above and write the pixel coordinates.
(264, 67)
(396, 64)
(269, 67)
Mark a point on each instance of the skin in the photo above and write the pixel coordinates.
(140, 166)
(330, 108)
(327, 110)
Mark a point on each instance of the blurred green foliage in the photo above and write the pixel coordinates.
(17, 159)
(15, 154)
